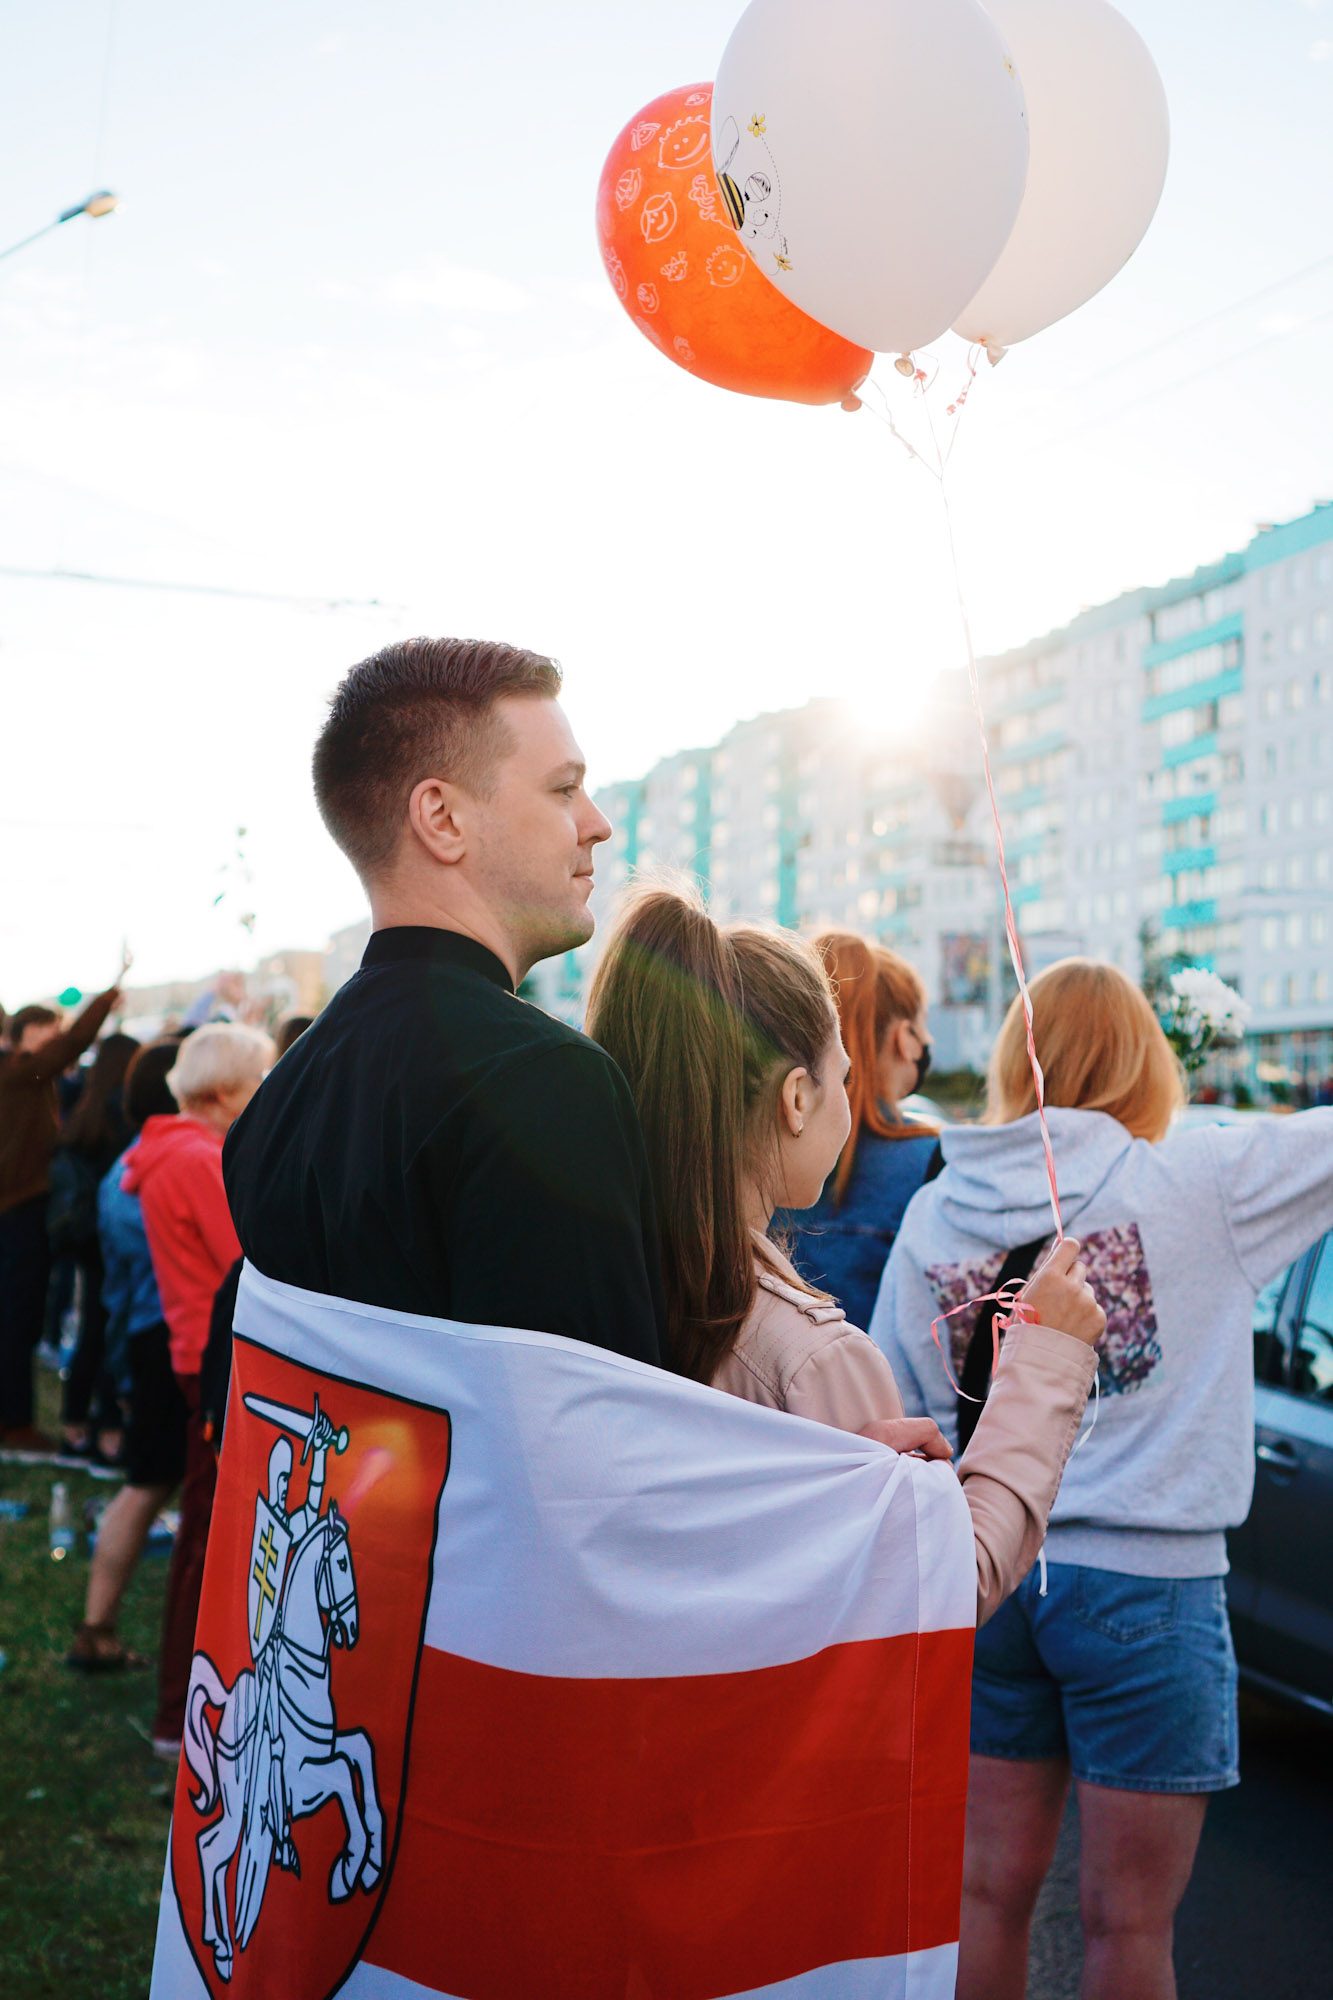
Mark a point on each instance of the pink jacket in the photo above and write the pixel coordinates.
(797, 1352)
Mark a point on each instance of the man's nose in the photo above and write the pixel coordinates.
(598, 828)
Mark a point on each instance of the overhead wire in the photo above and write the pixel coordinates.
(306, 603)
(1209, 319)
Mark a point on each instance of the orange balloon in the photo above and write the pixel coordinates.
(686, 279)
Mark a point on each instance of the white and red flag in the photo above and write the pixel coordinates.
(527, 1672)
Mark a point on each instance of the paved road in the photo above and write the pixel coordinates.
(1257, 1920)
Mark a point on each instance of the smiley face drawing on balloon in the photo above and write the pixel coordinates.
(751, 189)
(684, 144)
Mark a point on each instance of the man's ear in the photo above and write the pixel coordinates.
(436, 812)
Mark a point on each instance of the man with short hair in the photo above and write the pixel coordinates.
(433, 1144)
(40, 1051)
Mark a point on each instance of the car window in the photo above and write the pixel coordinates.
(1269, 1355)
(1312, 1362)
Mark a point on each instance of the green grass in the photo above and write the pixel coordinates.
(86, 1806)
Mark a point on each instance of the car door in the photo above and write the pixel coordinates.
(1293, 1508)
(1275, 1312)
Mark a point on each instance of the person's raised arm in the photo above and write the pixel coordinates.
(54, 1057)
(550, 1209)
(1275, 1179)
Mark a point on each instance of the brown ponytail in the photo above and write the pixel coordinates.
(873, 989)
(705, 1023)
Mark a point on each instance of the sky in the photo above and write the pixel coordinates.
(349, 345)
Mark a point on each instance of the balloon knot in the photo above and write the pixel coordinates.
(905, 365)
(995, 352)
(851, 401)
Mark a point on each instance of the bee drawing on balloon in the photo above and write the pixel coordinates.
(751, 190)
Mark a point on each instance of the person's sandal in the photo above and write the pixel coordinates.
(97, 1650)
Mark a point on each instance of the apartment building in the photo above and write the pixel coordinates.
(807, 817)
(1164, 765)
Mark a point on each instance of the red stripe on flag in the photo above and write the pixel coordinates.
(681, 1838)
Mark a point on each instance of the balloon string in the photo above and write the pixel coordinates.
(937, 472)
(1017, 1312)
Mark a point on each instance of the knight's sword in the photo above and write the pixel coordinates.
(299, 1422)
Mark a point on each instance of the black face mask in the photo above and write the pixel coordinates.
(922, 1066)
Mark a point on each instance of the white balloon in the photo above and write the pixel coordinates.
(1100, 138)
(872, 154)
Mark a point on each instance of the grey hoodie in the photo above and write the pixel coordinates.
(1179, 1239)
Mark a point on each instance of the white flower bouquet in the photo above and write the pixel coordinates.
(1205, 1014)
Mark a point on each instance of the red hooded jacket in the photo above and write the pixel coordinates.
(176, 1171)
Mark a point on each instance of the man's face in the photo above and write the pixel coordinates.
(532, 859)
(36, 1036)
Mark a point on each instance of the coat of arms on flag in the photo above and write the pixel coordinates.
(304, 1675)
(686, 1683)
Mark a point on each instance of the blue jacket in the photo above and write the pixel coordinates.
(843, 1247)
(129, 1289)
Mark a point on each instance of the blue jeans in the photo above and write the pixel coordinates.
(1131, 1678)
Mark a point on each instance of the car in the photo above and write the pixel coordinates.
(1280, 1590)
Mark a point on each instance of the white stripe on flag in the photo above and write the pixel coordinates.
(917, 1975)
(592, 1498)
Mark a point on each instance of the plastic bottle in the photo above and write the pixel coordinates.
(62, 1529)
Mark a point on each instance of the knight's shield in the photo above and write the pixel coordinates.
(268, 1565)
(287, 1723)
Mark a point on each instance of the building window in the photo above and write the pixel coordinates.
(1270, 760)
(1295, 813)
(1295, 690)
(1268, 815)
(1268, 992)
(1290, 990)
(1268, 875)
(1268, 703)
(1295, 638)
(1268, 933)
(1319, 985)
(1294, 932)
(1318, 926)
(1295, 871)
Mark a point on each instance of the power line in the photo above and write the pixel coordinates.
(1209, 319)
(1196, 375)
(200, 589)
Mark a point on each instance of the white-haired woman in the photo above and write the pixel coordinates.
(176, 1171)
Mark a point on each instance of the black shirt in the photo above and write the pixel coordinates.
(433, 1144)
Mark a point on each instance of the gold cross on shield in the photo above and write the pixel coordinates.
(263, 1572)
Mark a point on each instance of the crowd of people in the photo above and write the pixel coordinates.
(719, 1179)
(112, 1206)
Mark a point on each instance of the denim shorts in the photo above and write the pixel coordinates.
(1131, 1678)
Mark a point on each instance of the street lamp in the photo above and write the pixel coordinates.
(101, 203)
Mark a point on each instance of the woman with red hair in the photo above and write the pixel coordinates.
(843, 1242)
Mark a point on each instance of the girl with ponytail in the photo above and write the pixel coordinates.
(844, 1240)
(729, 1041)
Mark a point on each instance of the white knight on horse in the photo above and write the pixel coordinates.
(277, 1754)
